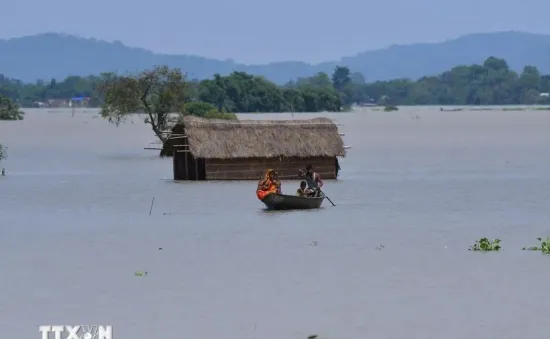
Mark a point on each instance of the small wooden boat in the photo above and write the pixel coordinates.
(292, 202)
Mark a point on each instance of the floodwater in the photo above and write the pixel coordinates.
(425, 184)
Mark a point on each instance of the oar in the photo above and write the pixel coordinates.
(327, 198)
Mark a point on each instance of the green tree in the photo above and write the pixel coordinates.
(320, 80)
(206, 110)
(341, 81)
(489, 83)
(341, 78)
(357, 78)
(9, 110)
(157, 93)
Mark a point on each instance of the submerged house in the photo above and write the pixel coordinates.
(209, 149)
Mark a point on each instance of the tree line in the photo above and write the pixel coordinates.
(237, 92)
(491, 83)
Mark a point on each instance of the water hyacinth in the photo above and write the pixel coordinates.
(486, 245)
(544, 246)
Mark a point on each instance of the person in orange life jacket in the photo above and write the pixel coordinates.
(269, 184)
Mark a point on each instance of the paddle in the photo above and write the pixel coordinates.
(327, 198)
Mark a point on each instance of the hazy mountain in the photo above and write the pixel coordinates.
(52, 55)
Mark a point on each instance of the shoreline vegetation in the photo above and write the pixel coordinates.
(492, 83)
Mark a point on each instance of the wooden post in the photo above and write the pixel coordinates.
(196, 169)
(186, 169)
(174, 165)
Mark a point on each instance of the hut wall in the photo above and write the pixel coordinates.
(253, 169)
(187, 167)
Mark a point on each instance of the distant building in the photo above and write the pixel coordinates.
(58, 103)
(79, 102)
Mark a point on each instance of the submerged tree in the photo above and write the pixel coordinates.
(157, 93)
(9, 110)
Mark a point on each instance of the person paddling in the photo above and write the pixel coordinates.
(313, 180)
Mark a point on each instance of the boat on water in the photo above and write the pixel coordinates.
(279, 202)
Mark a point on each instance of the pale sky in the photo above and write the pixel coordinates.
(259, 31)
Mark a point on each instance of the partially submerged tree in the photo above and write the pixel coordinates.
(157, 93)
(9, 110)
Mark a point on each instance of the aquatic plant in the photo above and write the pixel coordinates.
(485, 245)
(544, 246)
(2, 152)
(140, 273)
(390, 108)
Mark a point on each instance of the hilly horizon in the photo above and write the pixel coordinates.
(54, 55)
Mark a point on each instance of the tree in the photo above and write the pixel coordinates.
(9, 110)
(206, 110)
(489, 83)
(357, 78)
(341, 78)
(157, 93)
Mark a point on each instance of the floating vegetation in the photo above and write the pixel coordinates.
(485, 245)
(544, 246)
(379, 247)
(2, 152)
(140, 273)
(390, 108)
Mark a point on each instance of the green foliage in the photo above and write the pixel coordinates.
(29, 95)
(206, 110)
(390, 108)
(492, 83)
(2, 152)
(242, 92)
(486, 245)
(157, 93)
(9, 110)
(544, 246)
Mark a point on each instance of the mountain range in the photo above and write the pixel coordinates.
(54, 55)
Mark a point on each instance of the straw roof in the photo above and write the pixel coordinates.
(226, 139)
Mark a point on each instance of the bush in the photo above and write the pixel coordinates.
(206, 110)
(9, 110)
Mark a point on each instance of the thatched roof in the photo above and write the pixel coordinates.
(225, 139)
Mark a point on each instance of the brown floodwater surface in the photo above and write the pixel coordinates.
(425, 184)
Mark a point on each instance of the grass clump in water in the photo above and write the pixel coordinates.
(544, 246)
(2, 152)
(486, 245)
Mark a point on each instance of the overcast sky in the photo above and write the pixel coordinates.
(259, 31)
